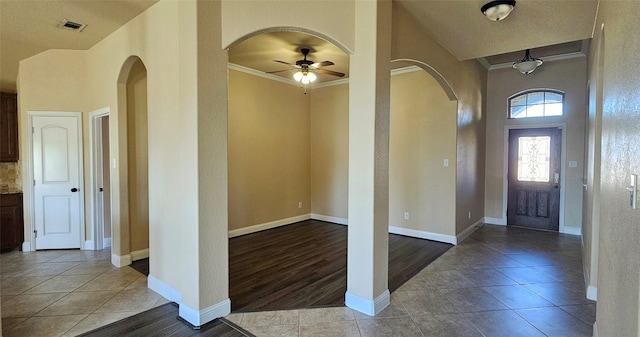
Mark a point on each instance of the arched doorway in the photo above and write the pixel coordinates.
(131, 237)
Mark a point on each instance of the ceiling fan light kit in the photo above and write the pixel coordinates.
(528, 64)
(306, 69)
(498, 10)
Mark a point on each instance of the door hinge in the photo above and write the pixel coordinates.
(34, 182)
(35, 233)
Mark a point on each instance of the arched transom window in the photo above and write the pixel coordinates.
(536, 103)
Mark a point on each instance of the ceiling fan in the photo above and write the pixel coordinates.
(307, 68)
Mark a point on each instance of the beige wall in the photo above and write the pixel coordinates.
(10, 56)
(467, 81)
(330, 150)
(165, 38)
(619, 231)
(137, 157)
(423, 135)
(568, 76)
(269, 150)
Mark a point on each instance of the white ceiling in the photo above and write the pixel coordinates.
(30, 27)
(463, 30)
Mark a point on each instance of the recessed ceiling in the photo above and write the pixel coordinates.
(260, 52)
(562, 50)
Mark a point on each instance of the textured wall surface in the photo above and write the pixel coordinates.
(619, 252)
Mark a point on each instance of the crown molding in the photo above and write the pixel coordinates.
(552, 58)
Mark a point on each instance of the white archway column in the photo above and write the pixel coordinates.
(369, 86)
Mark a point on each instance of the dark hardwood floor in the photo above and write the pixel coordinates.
(142, 266)
(163, 321)
(304, 265)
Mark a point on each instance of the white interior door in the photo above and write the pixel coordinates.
(56, 171)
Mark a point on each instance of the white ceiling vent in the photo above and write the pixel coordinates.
(70, 25)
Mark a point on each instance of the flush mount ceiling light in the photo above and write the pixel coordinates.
(498, 10)
(528, 64)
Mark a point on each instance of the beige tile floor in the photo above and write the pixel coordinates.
(499, 282)
(65, 293)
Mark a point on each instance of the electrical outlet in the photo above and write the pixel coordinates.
(469, 214)
(406, 215)
(446, 163)
(300, 204)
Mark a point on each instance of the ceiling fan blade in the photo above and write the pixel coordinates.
(283, 62)
(329, 72)
(277, 71)
(323, 64)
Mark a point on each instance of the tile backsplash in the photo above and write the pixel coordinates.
(10, 177)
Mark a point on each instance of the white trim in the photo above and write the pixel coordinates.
(495, 221)
(139, 254)
(26, 246)
(339, 221)
(592, 293)
(423, 234)
(95, 141)
(563, 168)
(120, 260)
(567, 56)
(88, 245)
(201, 317)
(404, 70)
(572, 230)
(465, 233)
(257, 73)
(595, 329)
(329, 83)
(30, 174)
(268, 225)
(106, 242)
(366, 306)
(163, 289)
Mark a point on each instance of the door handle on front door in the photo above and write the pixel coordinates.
(74, 190)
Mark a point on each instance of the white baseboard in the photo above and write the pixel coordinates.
(139, 254)
(592, 293)
(339, 221)
(465, 233)
(366, 306)
(26, 246)
(572, 230)
(495, 221)
(120, 261)
(106, 242)
(595, 329)
(163, 289)
(88, 245)
(268, 225)
(201, 317)
(423, 234)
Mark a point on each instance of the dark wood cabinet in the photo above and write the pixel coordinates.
(11, 222)
(8, 127)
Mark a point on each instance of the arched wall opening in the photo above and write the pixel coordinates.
(287, 150)
(131, 238)
(422, 153)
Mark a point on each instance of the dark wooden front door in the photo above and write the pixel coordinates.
(534, 178)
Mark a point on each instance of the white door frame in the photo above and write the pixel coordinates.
(96, 161)
(563, 169)
(30, 174)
